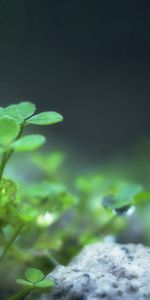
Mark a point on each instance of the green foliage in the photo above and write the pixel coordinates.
(9, 129)
(36, 279)
(46, 118)
(50, 164)
(45, 189)
(18, 214)
(44, 284)
(8, 190)
(14, 118)
(20, 111)
(29, 143)
(123, 195)
(33, 275)
(24, 282)
(89, 184)
(53, 215)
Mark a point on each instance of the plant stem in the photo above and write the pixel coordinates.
(8, 154)
(11, 242)
(5, 158)
(52, 260)
(21, 294)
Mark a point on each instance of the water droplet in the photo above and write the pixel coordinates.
(126, 210)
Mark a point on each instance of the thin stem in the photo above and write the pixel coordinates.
(24, 292)
(9, 153)
(52, 260)
(11, 242)
(3, 164)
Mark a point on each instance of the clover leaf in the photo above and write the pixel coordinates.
(45, 283)
(45, 118)
(45, 189)
(20, 111)
(33, 275)
(9, 130)
(35, 279)
(24, 282)
(29, 143)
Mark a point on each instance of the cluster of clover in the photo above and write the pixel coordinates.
(39, 217)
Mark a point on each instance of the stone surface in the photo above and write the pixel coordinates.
(105, 272)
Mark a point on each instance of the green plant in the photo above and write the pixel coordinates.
(34, 279)
(14, 215)
(56, 215)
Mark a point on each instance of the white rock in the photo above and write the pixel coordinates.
(103, 272)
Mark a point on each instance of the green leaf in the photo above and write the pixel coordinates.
(49, 163)
(46, 118)
(89, 184)
(46, 283)
(28, 213)
(8, 190)
(34, 275)
(29, 143)
(45, 189)
(123, 197)
(126, 194)
(10, 214)
(24, 282)
(142, 198)
(9, 130)
(20, 111)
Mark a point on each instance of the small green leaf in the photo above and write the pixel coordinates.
(34, 275)
(142, 198)
(20, 111)
(8, 190)
(123, 197)
(9, 129)
(45, 189)
(46, 118)
(24, 282)
(28, 213)
(44, 284)
(29, 143)
(49, 163)
(89, 184)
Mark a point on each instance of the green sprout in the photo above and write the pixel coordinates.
(34, 280)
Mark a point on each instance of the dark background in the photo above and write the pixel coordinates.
(89, 60)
